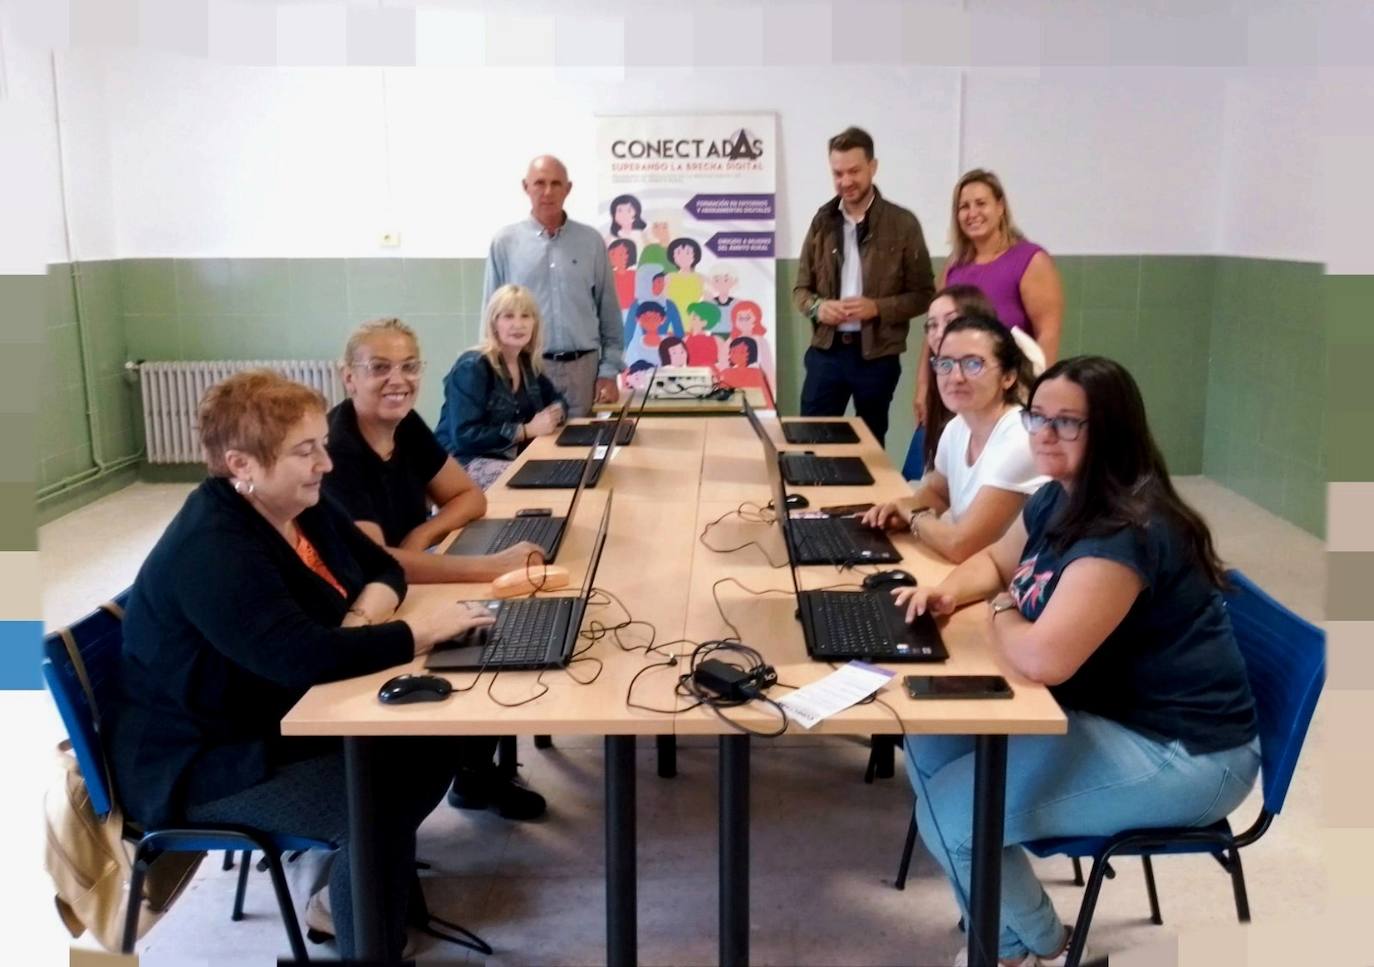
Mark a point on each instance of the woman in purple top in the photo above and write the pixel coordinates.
(989, 251)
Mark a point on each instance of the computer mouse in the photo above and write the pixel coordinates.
(887, 580)
(404, 689)
(797, 502)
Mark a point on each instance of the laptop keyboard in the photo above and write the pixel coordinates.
(536, 530)
(819, 433)
(851, 624)
(822, 470)
(827, 539)
(523, 632)
(556, 473)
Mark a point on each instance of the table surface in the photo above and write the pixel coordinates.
(679, 474)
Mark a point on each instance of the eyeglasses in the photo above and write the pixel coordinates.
(971, 365)
(1067, 428)
(382, 368)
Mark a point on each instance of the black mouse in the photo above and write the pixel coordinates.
(887, 580)
(404, 689)
(797, 502)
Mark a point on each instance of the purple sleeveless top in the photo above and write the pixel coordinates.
(1000, 281)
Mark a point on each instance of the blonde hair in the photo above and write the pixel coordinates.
(961, 249)
(371, 328)
(252, 412)
(512, 298)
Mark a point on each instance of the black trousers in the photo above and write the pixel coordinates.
(836, 374)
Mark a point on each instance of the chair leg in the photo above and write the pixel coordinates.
(135, 901)
(1155, 917)
(1077, 872)
(242, 889)
(506, 753)
(900, 882)
(1238, 886)
(667, 755)
(228, 860)
(543, 742)
(1079, 940)
(288, 909)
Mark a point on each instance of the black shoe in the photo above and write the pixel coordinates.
(512, 801)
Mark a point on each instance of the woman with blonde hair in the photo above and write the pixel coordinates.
(987, 250)
(496, 397)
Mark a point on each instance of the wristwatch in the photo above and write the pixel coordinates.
(1001, 603)
(923, 512)
(815, 311)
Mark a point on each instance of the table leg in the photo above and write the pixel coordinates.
(989, 809)
(734, 850)
(621, 892)
(363, 871)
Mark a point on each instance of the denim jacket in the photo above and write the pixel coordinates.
(481, 413)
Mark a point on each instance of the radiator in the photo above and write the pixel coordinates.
(172, 393)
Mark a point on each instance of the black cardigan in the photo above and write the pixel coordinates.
(226, 629)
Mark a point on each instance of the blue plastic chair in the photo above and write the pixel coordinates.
(914, 467)
(1285, 660)
(98, 640)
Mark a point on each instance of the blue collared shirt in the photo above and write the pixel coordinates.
(570, 276)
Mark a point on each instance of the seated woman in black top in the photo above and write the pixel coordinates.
(388, 470)
(256, 592)
(1106, 589)
(497, 398)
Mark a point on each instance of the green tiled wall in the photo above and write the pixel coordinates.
(65, 445)
(1207, 338)
(1349, 302)
(22, 345)
(1267, 387)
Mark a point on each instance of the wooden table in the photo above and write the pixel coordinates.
(678, 475)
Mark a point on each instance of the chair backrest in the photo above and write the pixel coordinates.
(914, 467)
(1285, 658)
(99, 638)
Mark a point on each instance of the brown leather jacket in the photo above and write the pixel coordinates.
(896, 272)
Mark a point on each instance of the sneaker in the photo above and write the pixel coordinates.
(319, 923)
(512, 800)
(1030, 960)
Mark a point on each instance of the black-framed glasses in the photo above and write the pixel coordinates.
(382, 368)
(971, 365)
(1067, 428)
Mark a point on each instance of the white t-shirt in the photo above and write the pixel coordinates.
(1005, 463)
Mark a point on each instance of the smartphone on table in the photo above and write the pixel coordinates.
(957, 686)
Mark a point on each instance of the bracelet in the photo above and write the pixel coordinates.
(916, 516)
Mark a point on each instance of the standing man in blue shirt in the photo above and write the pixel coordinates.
(564, 264)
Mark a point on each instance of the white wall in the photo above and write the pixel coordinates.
(1268, 198)
(29, 195)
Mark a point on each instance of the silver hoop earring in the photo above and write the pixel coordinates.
(243, 489)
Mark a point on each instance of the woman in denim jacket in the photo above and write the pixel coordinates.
(496, 397)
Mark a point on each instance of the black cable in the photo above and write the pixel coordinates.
(756, 518)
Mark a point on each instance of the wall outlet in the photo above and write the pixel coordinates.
(390, 239)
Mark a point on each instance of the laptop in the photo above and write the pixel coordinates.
(529, 632)
(562, 474)
(825, 540)
(806, 470)
(492, 534)
(588, 434)
(863, 625)
(814, 431)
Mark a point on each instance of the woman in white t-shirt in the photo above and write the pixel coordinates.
(983, 466)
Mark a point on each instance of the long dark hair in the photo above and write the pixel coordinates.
(968, 300)
(1123, 481)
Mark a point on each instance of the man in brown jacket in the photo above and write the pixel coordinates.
(864, 274)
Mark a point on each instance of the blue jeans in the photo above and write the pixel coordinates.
(834, 375)
(1097, 780)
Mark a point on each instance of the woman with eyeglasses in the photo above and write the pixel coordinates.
(982, 471)
(1107, 588)
(497, 398)
(389, 471)
(949, 303)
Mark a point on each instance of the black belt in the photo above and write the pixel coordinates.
(568, 356)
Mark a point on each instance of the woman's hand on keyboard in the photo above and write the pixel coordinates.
(918, 601)
(444, 620)
(889, 516)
